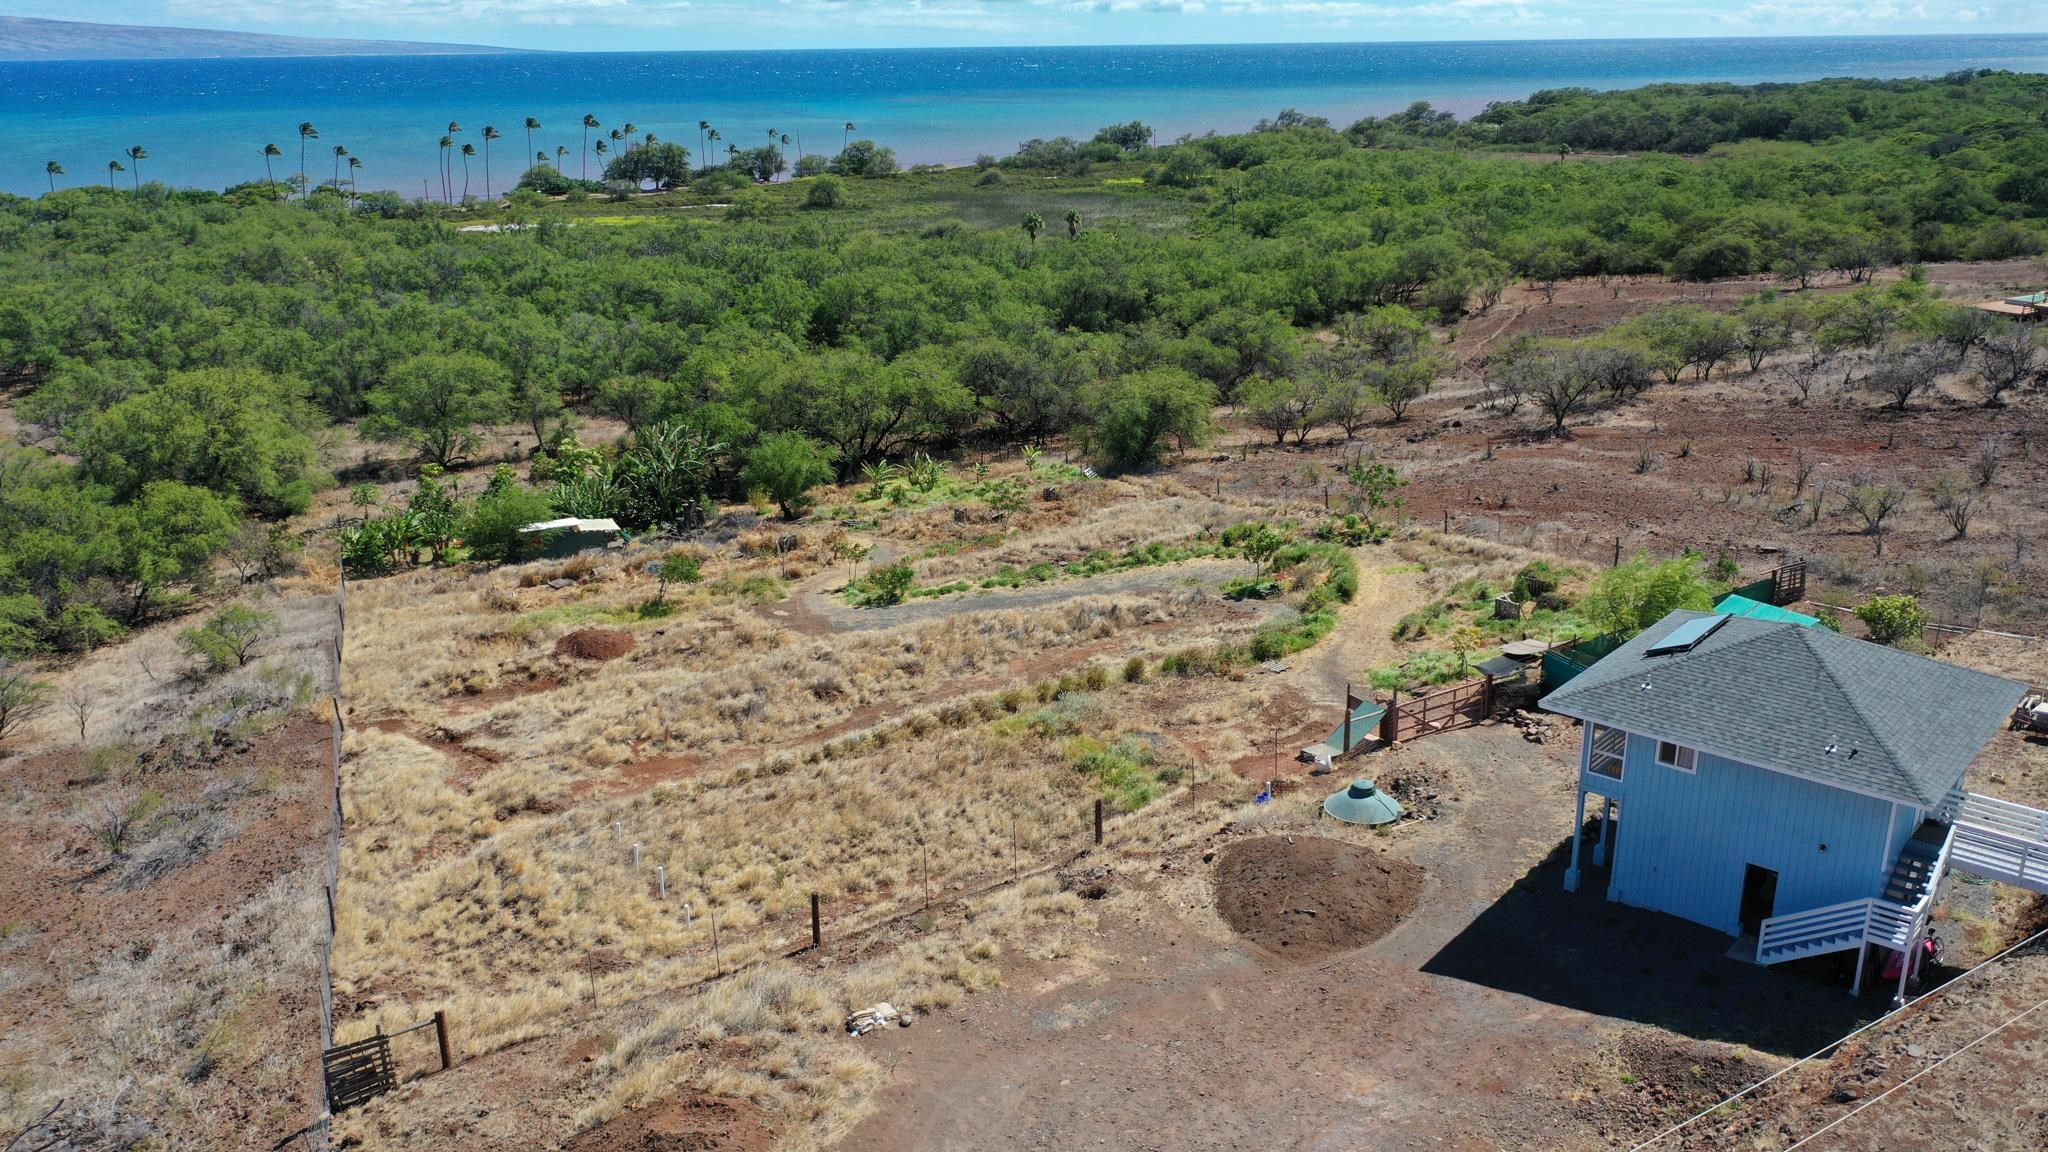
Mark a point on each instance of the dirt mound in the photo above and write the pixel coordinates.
(681, 1124)
(1303, 897)
(594, 644)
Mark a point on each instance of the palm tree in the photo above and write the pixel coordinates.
(1033, 225)
(540, 159)
(703, 126)
(1073, 224)
(468, 150)
(53, 170)
(846, 137)
(626, 131)
(589, 122)
(113, 166)
(447, 189)
(490, 134)
(531, 124)
(561, 153)
(137, 154)
(601, 149)
(448, 160)
(353, 164)
(270, 150)
(339, 154)
(306, 132)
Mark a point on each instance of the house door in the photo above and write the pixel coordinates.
(1759, 897)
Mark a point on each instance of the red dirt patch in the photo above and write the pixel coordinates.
(682, 1124)
(594, 644)
(1303, 897)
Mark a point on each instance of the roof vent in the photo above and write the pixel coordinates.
(1686, 636)
(1363, 803)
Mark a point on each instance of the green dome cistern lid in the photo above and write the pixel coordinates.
(1363, 803)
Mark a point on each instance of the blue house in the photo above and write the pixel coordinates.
(1791, 785)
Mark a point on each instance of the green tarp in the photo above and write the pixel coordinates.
(1736, 604)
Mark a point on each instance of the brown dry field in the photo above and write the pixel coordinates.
(510, 801)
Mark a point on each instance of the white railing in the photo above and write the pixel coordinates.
(1997, 856)
(1852, 923)
(1998, 815)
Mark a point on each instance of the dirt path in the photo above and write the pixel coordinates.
(815, 602)
(1463, 1028)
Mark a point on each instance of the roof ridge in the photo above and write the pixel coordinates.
(1856, 706)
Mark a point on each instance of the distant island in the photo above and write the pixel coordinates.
(24, 38)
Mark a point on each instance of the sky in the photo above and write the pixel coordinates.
(663, 25)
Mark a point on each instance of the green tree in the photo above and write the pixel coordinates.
(589, 122)
(787, 466)
(52, 169)
(237, 431)
(865, 158)
(890, 583)
(1138, 414)
(229, 637)
(1283, 405)
(1894, 620)
(1630, 597)
(438, 404)
(1033, 225)
(168, 536)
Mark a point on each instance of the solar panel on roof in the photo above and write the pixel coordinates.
(1687, 635)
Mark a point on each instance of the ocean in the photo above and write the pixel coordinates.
(204, 122)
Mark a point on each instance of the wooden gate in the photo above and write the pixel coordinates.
(1458, 706)
(358, 1071)
(1788, 583)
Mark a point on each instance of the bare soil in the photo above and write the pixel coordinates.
(682, 1124)
(595, 644)
(1300, 898)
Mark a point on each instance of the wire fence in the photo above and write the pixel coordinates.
(317, 1134)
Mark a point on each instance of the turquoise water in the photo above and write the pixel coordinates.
(204, 122)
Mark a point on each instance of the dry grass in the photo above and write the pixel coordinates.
(490, 867)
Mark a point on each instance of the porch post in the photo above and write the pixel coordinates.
(1862, 953)
(1906, 966)
(1606, 822)
(1571, 874)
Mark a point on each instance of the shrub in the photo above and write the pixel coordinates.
(825, 192)
(1893, 620)
(1134, 670)
(890, 583)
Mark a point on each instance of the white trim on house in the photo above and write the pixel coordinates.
(1684, 757)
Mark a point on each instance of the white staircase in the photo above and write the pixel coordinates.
(1999, 840)
(1895, 920)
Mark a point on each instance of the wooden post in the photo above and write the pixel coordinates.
(717, 964)
(1098, 821)
(817, 935)
(1617, 553)
(1488, 696)
(1388, 718)
(441, 1035)
(1447, 521)
(329, 889)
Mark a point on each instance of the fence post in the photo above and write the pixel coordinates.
(1098, 822)
(817, 934)
(1617, 553)
(1390, 719)
(441, 1035)
(1447, 521)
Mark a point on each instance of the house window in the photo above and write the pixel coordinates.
(1677, 756)
(1610, 749)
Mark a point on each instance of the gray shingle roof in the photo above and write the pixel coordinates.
(1777, 695)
